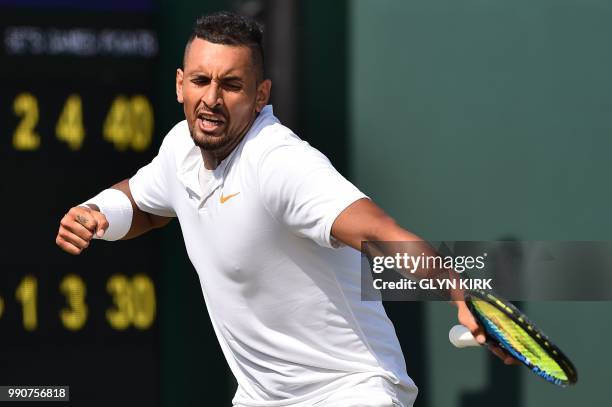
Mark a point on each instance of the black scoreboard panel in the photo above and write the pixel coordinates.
(77, 114)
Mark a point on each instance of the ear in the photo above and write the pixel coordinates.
(263, 94)
(179, 85)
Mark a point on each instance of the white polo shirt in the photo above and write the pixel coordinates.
(285, 305)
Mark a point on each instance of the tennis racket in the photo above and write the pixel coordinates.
(510, 329)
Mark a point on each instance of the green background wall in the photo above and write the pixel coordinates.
(464, 120)
(478, 120)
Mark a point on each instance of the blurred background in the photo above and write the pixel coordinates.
(471, 120)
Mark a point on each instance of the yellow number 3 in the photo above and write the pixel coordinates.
(74, 317)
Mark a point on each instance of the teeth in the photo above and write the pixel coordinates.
(210, 120)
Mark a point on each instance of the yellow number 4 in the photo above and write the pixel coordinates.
(69, 127)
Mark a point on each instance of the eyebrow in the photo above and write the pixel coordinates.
(231, 78)
(224, 78)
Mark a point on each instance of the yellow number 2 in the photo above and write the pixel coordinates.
(25, 138)
(74, 317)
(69, 127)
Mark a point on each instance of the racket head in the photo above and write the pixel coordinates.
(510, 329)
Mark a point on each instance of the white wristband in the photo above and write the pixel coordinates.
(117, 208)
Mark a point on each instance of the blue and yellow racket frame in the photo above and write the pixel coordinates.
(494, 335)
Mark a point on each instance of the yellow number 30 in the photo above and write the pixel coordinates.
(134, 302)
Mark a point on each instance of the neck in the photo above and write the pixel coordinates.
(210, 160)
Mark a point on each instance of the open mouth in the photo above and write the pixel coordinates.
(209, 122)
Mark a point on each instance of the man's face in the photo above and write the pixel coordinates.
(220, 94)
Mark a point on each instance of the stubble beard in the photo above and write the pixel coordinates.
(207, 142)
(218, 144)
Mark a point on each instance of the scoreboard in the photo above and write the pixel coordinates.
(77, 114)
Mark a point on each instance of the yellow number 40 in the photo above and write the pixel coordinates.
(129, 123)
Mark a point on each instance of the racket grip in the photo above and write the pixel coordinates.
(461, 337)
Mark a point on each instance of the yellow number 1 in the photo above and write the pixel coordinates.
(26, 294)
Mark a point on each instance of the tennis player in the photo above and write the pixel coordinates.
(273, 231)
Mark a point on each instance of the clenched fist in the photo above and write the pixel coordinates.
(78, 227)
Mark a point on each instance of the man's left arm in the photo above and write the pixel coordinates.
(363, 221)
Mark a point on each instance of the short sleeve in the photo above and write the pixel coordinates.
(150, 187)
(301, 189)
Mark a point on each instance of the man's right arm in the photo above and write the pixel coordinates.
(78, 226)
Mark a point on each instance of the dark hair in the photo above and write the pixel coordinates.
(228, 28)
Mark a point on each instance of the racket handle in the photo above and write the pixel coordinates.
(461, 337)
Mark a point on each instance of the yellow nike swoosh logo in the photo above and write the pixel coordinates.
(224, 199)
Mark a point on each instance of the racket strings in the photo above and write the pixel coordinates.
(516, 341)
